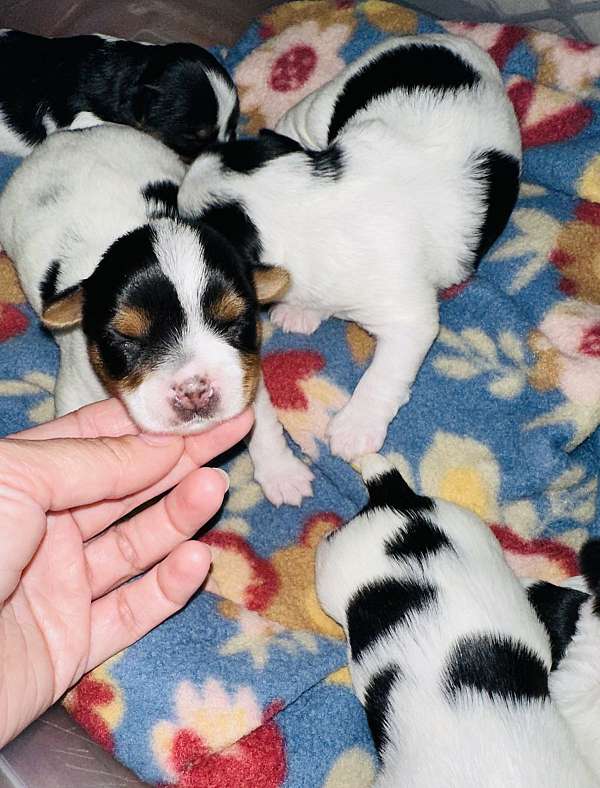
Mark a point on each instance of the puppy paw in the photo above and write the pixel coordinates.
(295, 319)
(285, 479)
(353, 433)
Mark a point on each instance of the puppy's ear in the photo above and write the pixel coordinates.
(65, 310)
(271, 282)
(279, 144)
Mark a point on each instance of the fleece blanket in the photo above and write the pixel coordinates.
(248, 685)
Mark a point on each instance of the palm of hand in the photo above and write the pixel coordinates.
(65, 605)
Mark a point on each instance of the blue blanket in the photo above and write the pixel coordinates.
(247, 686)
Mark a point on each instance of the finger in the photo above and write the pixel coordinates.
(60, 473)
(130, 548)
(199, 449)
(22, 528)
(126, 614)
(106, 418)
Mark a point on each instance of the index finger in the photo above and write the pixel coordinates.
(105, 418)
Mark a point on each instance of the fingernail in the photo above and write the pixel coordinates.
(158, 440)
(224, 475)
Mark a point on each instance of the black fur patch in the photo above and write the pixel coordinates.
(162, 89)
(558, 609)
(161, 197)
(49, 284)
(500, 173)
(589, 560)
(231, 220)
(375, 609)
(391, 490)
(406, 68)
(328, 163)
(377, 703)
(248, 155)
(499, 667)
(420, 540)
(129, 275)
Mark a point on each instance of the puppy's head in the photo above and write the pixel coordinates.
(187, 100)
(171, 321)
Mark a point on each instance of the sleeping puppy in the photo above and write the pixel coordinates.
(144, 305)
(571, 614)
(179, 93)
(446, 654)
(419, 181)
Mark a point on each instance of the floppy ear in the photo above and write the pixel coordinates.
(64, 311)
(271, 282)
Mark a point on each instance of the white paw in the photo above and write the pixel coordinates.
(295, 319)
(352, 433)
(284, 479)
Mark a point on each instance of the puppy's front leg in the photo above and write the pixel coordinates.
(361, 426)
(283, 477)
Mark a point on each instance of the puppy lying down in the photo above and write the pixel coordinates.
(145, 306)
(413, 179)
(447, 655)
(179, 93)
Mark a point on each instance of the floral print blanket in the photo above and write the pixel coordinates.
(248, 686)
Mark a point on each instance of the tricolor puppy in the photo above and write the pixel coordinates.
(144, 306)
(179, 93)
(419, 178)
(446, 653)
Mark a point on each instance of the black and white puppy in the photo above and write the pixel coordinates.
(179, 93)
(144, 305)
(446, 654)
(419, 179)
(571, 614)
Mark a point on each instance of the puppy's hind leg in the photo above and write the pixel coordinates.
(402, 344)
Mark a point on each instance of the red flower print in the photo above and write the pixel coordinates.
(451, 292)
(559, 125)
(12, 322)
(590, 342)
(507, 40)
(82, 704)
(265, 583)
(256, 761)
(283, 371)
(293, 68)
(554, 551)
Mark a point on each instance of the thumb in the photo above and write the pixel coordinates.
(22, 528)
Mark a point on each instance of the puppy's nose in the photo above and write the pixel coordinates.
(195, 396)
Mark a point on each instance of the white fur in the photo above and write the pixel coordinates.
(473, 741)
(226, 101)
(96, 177)
(376, 244)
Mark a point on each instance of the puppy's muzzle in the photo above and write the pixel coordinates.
(195, 396)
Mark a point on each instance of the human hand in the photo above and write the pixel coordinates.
(63, 606)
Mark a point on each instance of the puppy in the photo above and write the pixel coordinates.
(144, 305)
(446, 654)
(179, 93)
(419, 179)
(571, 615)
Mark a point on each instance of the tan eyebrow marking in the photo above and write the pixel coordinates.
(229, 306)
(132, 321)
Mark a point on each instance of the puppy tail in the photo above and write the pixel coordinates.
(589, 561)
(387, 487)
